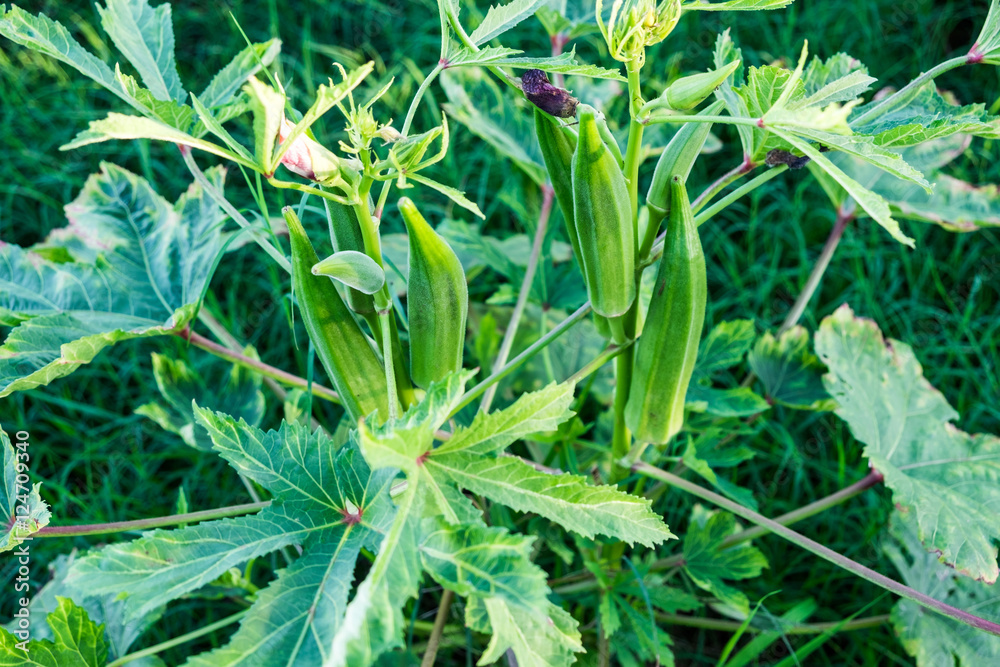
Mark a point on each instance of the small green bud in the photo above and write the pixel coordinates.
(690, 91)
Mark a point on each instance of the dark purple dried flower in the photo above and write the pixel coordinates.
(550, 99)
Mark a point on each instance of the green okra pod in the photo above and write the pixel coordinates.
(666, 352)
(558, 143)
(437, 301)
(602, 212)
(345, 233)
(342, 347)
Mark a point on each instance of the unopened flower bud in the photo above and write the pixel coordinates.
(690, 91)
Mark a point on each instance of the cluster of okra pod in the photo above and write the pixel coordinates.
(590, 183)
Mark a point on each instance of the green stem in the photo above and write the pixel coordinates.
(146, 524)
(909, 89)
(387, 361)
(598, 362)
(721, 184)
(224, 204)
(739, 193)
(621, 441)
(177, 641)
(434, 641)
(805, 629)
(709, 213)
(676, 118)
(240, 359)
(633, 152)
(522, 297)
(516, 362)
(816, 276)
(818, 549)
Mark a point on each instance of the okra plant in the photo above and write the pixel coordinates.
(432, 489)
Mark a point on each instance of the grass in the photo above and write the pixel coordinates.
(101, 462)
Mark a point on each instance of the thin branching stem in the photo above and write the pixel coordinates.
(805, 629)
(522, 297)
(240, 359)
(177, 641)
(818, 549)
(146, 524)
(434, 641)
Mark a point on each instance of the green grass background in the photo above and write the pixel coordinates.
(101, 462)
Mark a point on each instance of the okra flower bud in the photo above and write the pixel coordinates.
(437, 298)
(690, 91)
(637, 24)
(602, 211)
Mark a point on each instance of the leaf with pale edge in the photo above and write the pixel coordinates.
(735, 5)
(22, 509)
(546, 639)
(534, 412)
(988, 44)
(154, 261)
(936, 640)
(146, 37)
(230, 78)
(501, 18)
(723, 347)
(948, 479)
(564, 63)
(237, 392)
(709, 566)
(76, 642)
(792, 375)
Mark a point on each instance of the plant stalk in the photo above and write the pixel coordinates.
(909, 89)
(145, 524)
(528, 353)
(177, 641)
(231, 211)
(721, 184)
(818, 549)
(239, 359)
(522, 297)
(822, 262)
(430, 654)
(804, 629)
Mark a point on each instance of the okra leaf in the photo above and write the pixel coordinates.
(354, 269)
(726, 52)
(987, 47)
(709, 566)
(535, 412)
(146, 37)
(792, 375)
(839, 78)
(485, 562)
(936, 640)
(538, 639)
(166, 564)
(501, 18)
(106, 610)
(373, 621)
(179, 116)
(873, 204)
(703, 455)
(566, 499)
(22, 509)
(919, 116)
(945, 477)
(723, 347)
(42, 34)
(235, 392)
(77, 641)
(231, 78)
(735, 5)
(401, 443)
(121, 126)
(151, 263)
(305, 602)
(476, 101)
(268, 108)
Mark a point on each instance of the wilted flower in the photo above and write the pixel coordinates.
(551, 99)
